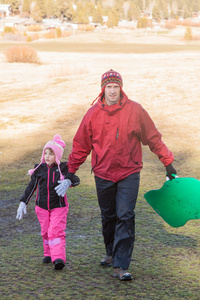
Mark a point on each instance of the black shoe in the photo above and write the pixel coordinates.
(46, 259)
(59, 264)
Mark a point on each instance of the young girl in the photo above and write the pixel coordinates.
(50, 208)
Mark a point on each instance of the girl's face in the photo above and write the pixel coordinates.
(49, 156)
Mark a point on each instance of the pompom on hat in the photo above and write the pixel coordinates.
(57, 145)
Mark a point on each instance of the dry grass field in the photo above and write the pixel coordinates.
(162, 72)
(36, 96)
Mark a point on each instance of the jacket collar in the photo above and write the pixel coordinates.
(112, 109)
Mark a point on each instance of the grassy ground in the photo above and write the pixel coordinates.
(165, 263)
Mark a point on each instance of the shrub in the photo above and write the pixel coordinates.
(22, 54)
(29, 39)
(142, 23)
(8, 29)
(113, 19)
(58, 32)
(188, 33)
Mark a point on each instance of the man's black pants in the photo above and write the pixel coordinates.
(117, 201)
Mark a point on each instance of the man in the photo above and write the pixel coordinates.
(113, 129)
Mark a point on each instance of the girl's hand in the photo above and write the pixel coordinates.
(63, 187)
(21, 210)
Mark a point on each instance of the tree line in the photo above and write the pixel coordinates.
(81, 11)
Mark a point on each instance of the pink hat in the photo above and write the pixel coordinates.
(57, 145)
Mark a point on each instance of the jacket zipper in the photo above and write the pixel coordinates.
(117, 134)
(48, 195)
(53, 176)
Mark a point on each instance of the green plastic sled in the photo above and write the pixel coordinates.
(177, 201)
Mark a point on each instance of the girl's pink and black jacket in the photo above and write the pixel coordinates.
(45, 179)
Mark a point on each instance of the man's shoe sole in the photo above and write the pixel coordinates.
(105, 264)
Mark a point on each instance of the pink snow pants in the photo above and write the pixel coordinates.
(53, 225)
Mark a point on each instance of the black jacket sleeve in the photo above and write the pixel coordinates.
(64, 170)
(30, 189)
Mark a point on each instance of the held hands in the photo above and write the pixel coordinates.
(73, 178)
(21, 210)
(70, 176)
(63, 187)
(170, 172)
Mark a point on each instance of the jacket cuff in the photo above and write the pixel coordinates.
(71, 170)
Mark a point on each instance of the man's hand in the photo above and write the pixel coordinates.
(170, 172)
(73, 178)
(70, 176)
(63, 187)
(21, 210)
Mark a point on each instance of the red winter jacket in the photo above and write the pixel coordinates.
(114, 134)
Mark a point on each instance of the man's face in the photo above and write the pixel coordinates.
(112, 93)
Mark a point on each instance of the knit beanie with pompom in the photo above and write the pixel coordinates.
(57, 145)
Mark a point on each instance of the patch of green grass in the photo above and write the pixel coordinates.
(164, 263)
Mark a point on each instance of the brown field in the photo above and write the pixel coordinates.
(38, 101)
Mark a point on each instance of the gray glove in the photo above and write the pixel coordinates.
(21, 210)
(63, 187)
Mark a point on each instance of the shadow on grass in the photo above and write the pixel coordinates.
(174, 240)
